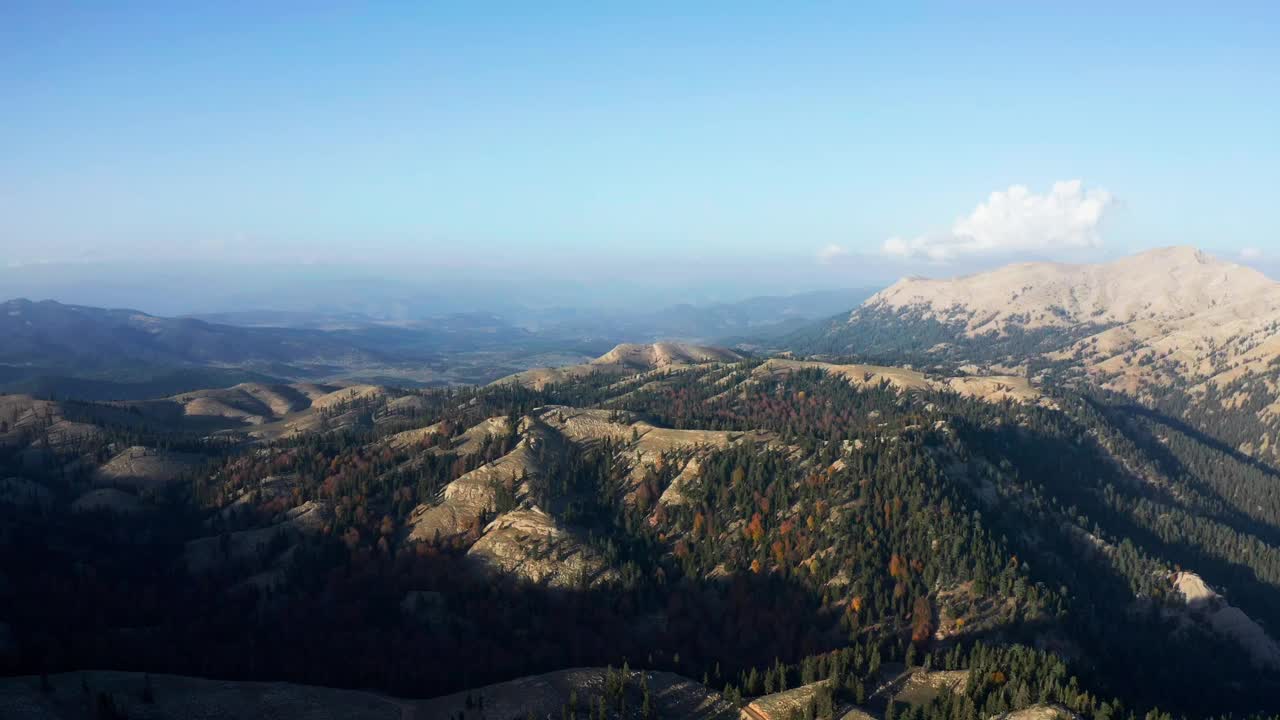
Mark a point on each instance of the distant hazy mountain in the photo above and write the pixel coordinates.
(757, 317)
(49, 333)
(97, 353)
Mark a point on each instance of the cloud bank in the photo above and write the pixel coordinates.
(1016, 220)
(831, 254)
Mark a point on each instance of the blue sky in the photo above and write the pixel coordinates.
(783, 143)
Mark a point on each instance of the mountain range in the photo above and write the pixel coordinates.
(1173, 328)
(1047, 491)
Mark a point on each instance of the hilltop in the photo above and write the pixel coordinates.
(1173, 313)
(626, 359)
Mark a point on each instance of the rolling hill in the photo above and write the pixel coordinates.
(866, 533)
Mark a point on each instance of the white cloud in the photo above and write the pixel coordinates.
(1250, 253)
(831, 254)
(1016, 220)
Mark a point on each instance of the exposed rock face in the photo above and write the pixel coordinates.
(1039, 712)
(640, 444)
(785, 704)
(1207, 606)
(922, 687)
(532, 546)
(465, 501)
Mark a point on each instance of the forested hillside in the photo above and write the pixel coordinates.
(752, 529)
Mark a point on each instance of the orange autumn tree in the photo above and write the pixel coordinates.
(897, 567)
(921, 620)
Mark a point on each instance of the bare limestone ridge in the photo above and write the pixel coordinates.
(531, 545)
(466, 443)
(627, 359)
(664, 354)
(640, 444)
(526, 542)
(1039, 712)
(464, 502)
(991, 388)
(23, 415)
(786, 704)
(1205, 605)
(922, 686)
(1160, 285)
(1196, 317)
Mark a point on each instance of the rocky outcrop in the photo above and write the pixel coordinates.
(1206, 606)
(627, 359)
(1039, 712)
(786, 704)
(465, 501)
(531, 546)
